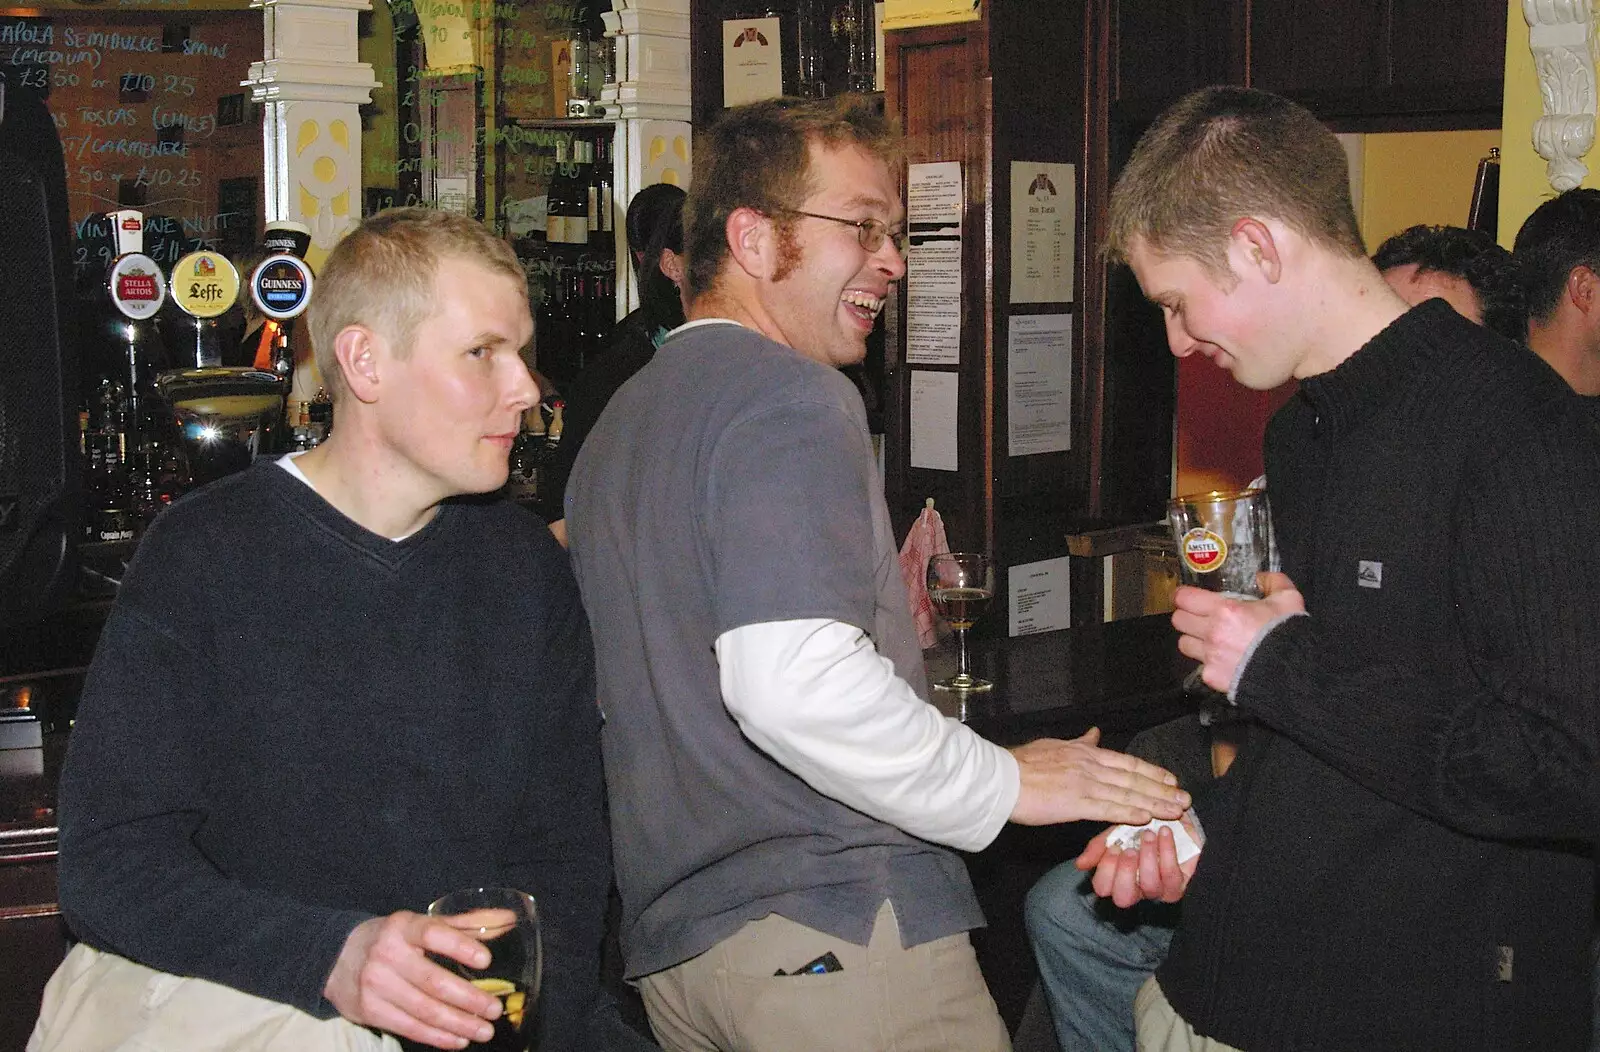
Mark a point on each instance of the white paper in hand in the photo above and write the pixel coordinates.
(1187, 835)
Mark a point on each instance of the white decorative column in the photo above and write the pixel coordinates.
(312, 84)
(1561, 37)
(652, 99)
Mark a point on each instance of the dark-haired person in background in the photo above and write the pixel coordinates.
(1558, 254)
(655, 240)
(1465, 268)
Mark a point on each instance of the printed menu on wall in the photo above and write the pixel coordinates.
(1043, 231)
(752, 68)
(933, 263)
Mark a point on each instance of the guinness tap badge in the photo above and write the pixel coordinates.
(281, 287)
(205, 284)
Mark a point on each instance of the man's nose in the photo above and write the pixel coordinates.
(889, 259)
(1179, 340)
(524, 391)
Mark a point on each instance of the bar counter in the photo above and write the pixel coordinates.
(1122, 677)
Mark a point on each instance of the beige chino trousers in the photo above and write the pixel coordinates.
(99, 1002)
(1161, 1029)
(930, 998)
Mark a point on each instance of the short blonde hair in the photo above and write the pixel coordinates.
(1221, 154)
(382, 274)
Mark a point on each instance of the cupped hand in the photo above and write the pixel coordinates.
(1127, 877)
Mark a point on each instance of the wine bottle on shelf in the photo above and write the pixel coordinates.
(603, 176)
(555, 231)
(583, 326)
(522, 482)
(578, 196)
(591, 188)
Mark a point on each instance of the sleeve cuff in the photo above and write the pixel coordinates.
(1250, 651)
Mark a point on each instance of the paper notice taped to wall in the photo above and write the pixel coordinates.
(909, 14)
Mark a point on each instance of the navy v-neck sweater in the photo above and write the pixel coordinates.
(292, 724)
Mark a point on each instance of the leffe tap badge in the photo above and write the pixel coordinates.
(280, 286)
(136, 286)
(205, 284)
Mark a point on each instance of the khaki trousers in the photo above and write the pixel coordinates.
(930, 998)
(1161, 1029)
(99, 1002)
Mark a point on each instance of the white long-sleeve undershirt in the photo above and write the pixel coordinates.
(817, 697)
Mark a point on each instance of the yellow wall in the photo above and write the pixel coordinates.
(1524, 185)
(1418, 177)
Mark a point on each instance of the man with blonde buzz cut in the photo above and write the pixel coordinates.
(331, 692)
(1400, 857)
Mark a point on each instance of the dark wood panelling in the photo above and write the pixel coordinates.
(1302, 46)
(937, 80)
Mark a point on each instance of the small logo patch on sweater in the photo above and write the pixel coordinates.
(1369, 574)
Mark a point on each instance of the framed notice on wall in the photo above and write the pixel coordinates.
(752, 68)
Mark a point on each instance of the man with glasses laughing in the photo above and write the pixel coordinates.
(782, 796)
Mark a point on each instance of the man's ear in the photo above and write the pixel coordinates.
(1583, 289)
(356, 352)
(1255, 247)
(752, 242)
(671, 264)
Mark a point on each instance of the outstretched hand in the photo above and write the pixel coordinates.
(1070, 781)
(384, 979)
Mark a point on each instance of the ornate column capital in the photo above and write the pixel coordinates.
(652, 39)
(312, 85)
(1561, 37)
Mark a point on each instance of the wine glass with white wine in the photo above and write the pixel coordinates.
(961, 585)
(506, 921)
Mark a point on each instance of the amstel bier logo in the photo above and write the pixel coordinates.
(1202, 550)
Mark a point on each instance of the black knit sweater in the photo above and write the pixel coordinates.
(292, 724)
(1388, 864)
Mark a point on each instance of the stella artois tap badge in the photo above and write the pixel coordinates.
(205, 284)
(136, 286)
(1203, 551)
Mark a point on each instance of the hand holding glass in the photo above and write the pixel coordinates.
(506, 921)
(961, 585)
(1224, 543)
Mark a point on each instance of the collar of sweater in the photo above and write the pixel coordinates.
(307, 501)
(1380, 370)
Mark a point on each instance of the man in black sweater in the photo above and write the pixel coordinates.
(1401, 855)
(330, 692)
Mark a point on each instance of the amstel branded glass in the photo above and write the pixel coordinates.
(1224, 540)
